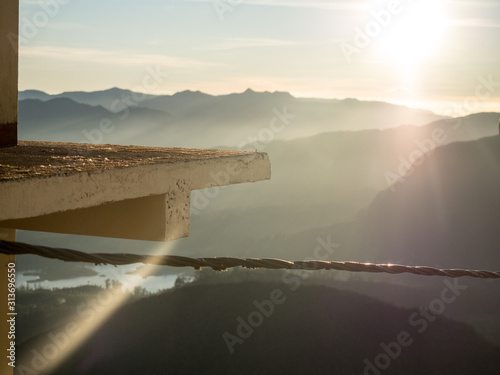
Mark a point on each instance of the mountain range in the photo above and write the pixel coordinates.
(195, 119)
(384, 182)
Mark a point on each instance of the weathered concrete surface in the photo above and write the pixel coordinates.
(113, 191)
(9, 21)
(47, 159)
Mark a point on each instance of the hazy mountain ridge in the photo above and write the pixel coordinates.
(34, 94)
(65, 108)
(446, 213)
(202, 120)
(64, 120)
(109, 99)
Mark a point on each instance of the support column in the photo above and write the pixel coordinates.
(9, 49)
(5, 341)
(9, 46)
(162, 217)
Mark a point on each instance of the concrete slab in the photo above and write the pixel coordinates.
(129, 192)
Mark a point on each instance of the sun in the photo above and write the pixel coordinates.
(414, 37)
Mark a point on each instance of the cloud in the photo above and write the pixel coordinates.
(29, 2)
(327, 4)
(475, 22)
(233, 43)
(474, 3)
(117, 58)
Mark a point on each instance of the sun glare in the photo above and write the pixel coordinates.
(91, 316)
(414, 37)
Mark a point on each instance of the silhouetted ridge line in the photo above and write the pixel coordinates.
(223, 263)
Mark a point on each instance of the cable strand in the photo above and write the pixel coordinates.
(223, 263)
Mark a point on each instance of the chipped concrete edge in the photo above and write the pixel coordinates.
(41, 196)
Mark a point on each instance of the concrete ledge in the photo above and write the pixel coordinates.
(113, 191)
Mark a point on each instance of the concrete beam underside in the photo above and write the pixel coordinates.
(154, 218)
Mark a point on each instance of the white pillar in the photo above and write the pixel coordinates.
(9, 45)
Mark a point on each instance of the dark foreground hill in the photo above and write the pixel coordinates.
(446, 213)
(275, 328)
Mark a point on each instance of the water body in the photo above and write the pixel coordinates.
(123, 274)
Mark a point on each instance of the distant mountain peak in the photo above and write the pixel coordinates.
(190, 92)
(34, 91)
(249, 91)
(34, 94)
(115, 89)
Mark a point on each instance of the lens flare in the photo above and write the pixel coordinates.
(414, 37)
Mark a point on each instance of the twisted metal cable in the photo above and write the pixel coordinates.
(223, 263)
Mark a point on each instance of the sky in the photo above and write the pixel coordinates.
(440, 55)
